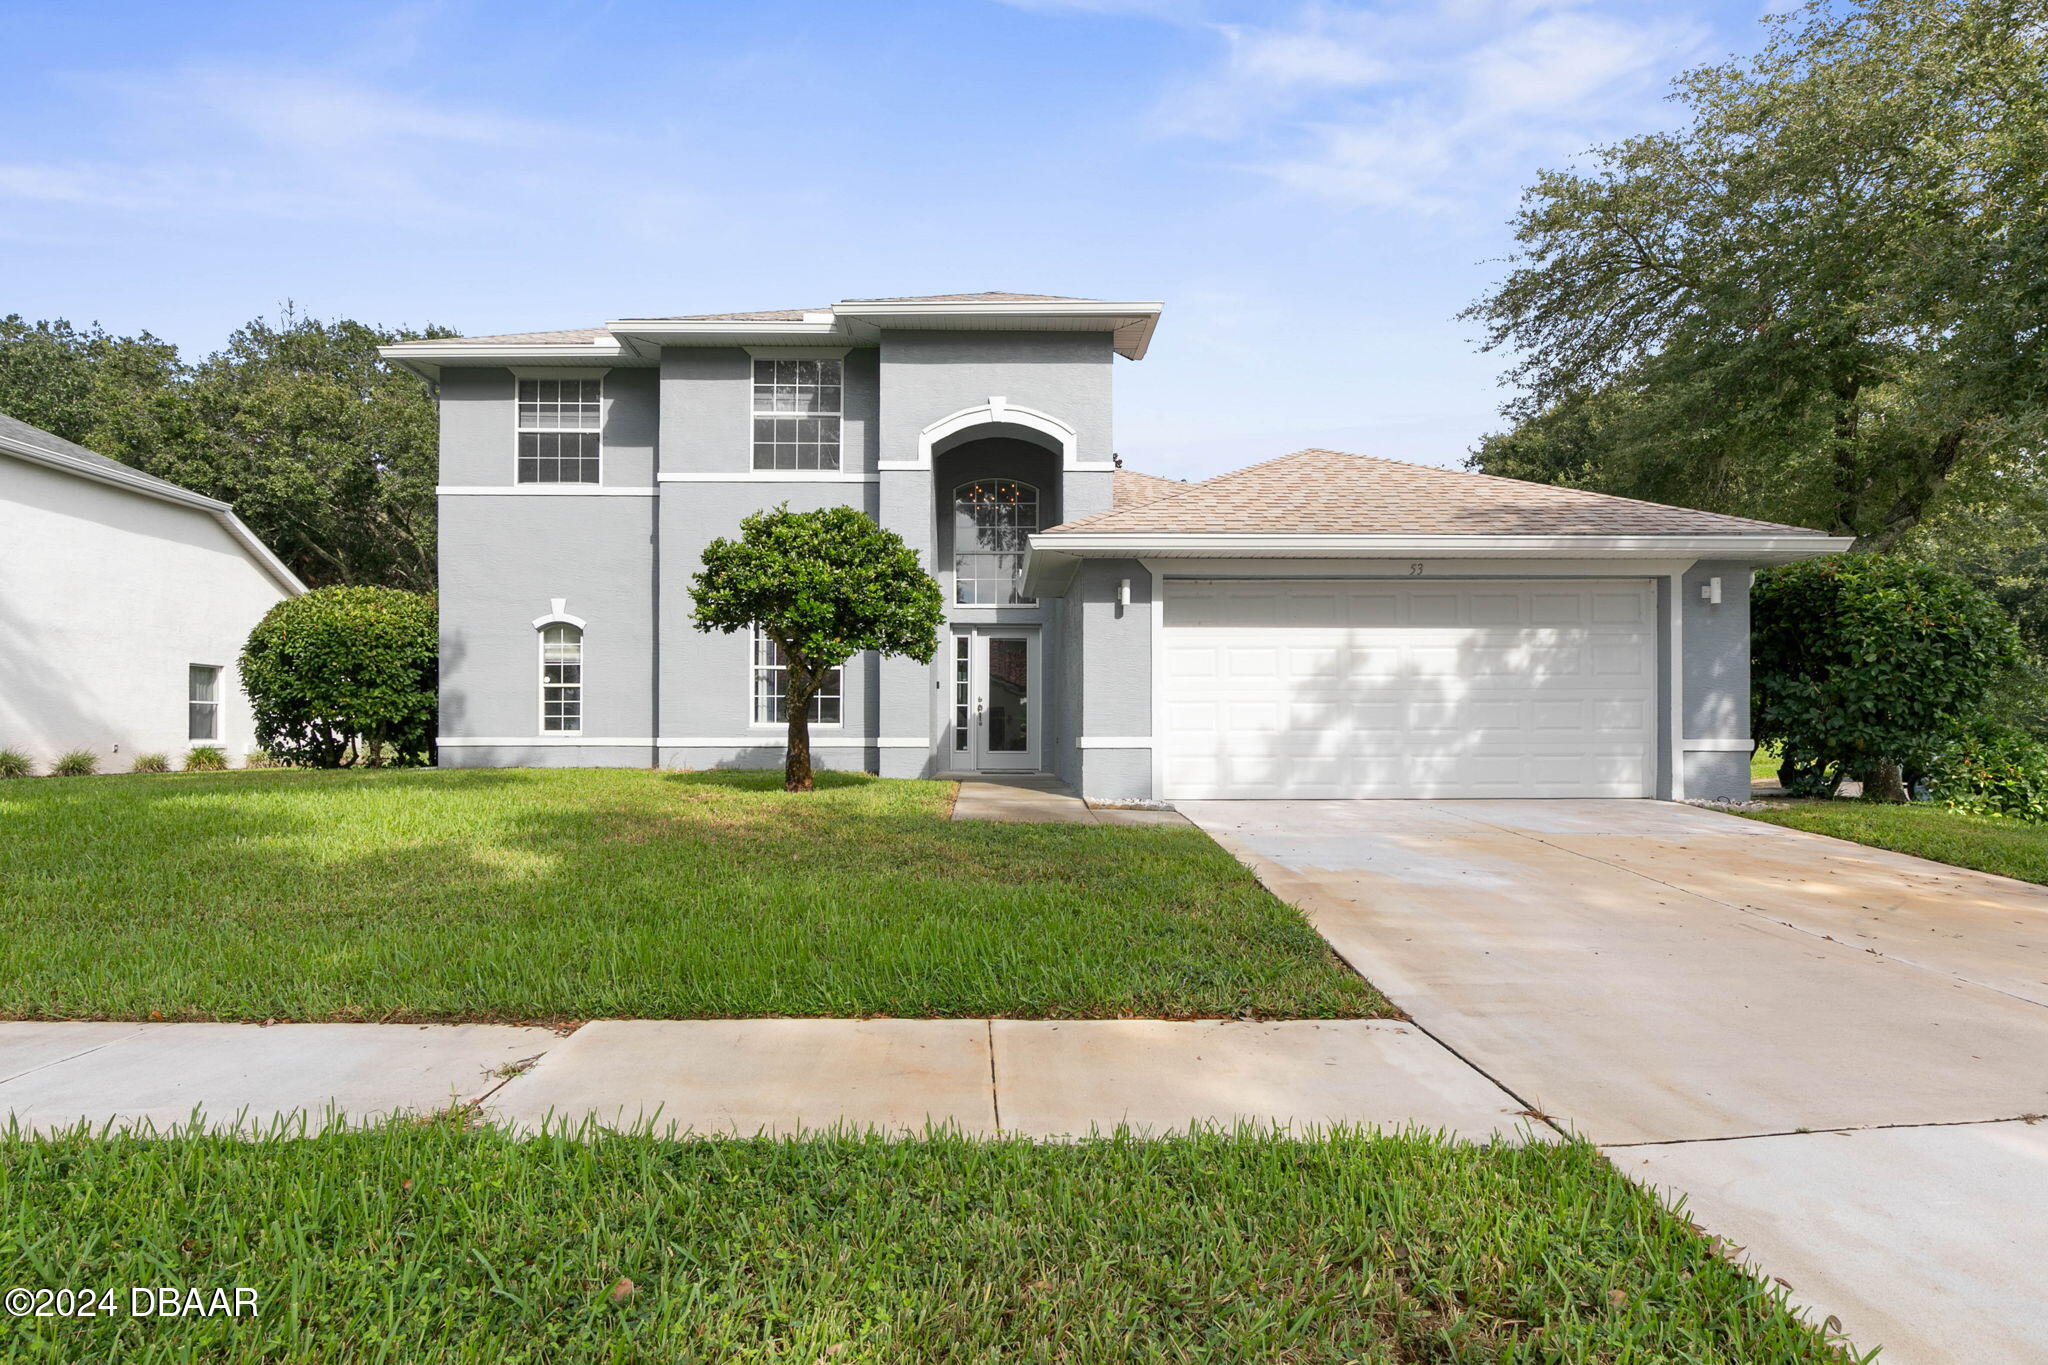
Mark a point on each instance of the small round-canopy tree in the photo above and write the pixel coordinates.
(1866, 667)
(343, 676)
(823, 586)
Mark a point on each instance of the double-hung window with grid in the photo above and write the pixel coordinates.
(771, 688)
(202, 701)
(796, 413)
(559, 430)
(561, 679)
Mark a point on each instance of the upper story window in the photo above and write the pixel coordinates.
(202, 701)
(992, 518)
(771, 688)
(559, 430)
(561, 679)
(796, 414)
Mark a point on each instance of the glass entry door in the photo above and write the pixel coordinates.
(995, 714)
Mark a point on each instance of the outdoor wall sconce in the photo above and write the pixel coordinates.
(1711, 591)
(1123, 592)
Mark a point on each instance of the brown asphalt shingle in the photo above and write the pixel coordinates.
(1129, 488)
(1326, 492)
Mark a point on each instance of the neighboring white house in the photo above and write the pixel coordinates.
(124, 604)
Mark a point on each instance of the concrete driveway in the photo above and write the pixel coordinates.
(1719, 1001)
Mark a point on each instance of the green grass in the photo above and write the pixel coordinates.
(1988, 843)
(428, 1242)
(1764, 762)
(547, 895)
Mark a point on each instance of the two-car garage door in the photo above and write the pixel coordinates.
(1307, 688)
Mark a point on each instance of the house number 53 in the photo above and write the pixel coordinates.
(1415, 570)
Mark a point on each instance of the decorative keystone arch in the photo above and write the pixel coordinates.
(999, 410)
(558, 616)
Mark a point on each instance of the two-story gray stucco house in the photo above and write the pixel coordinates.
(1320, 625)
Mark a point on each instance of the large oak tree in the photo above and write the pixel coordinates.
(1823, 299)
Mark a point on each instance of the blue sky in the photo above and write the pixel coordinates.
(1313, 190)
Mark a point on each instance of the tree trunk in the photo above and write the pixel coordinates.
(796, 758)
(1885, 783)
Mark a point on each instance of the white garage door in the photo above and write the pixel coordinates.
(1350, 689)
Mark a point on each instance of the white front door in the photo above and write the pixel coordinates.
(995, 682)
(1429, 689)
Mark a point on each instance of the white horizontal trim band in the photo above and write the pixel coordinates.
(668, 742)
(1442, 546)
(1718, 746)
(1115, 741)
(769, 476)
(541, 741)
(547, 490)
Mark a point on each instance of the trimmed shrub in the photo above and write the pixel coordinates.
(207, 758)
(76, 763)
(1868, 668)
(15, 763)
(345, 676)
(150, 763)
(1993, 769)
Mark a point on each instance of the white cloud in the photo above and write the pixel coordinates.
(276, 143)
(1414, 105)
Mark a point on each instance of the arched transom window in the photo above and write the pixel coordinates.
(992, 519)
(561, 679)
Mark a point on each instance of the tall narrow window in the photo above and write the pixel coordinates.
(771, 688)
(559, 435)
(561, 679)
(963, 690)
(202, 701)
(796, 414)
(992, 519)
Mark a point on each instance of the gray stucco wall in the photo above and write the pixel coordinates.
(1715, 662)
(1113, 678)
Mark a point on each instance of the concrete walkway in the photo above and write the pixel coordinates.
(1036, 799)
(723, 1077)
(1704, 995)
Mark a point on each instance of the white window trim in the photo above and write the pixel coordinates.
(794, 353)
(1030, 603)
(755, 723)
(754, 414)
(220, 675)
(604, 417)
(540, 696)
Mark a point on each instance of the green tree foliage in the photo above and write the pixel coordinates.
(327, 453)
(1820, 301)
(345, 676)
(1869, 667)
(824, 586)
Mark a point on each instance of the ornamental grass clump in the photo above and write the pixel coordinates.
(150, 763)
(15, 763)
(76, 763)
(207, 758)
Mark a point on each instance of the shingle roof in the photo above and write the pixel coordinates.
(13, 430)
(986, 296)
(1326, 492)
(1129, 488)
(582, 334)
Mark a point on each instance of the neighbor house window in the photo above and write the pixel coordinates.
(771, 688)
(202, 701)
(992, 518)
(796, 414)
(558, 430)
(561, 679)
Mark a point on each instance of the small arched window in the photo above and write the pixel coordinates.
(561, 679)
(992, 520)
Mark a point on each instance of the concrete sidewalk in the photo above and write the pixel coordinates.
(724, 1077)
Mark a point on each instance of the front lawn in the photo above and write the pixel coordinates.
(1988, 843)
(428, 1242)
(552, 895)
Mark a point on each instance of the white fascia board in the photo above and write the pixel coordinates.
(1753, 548)
(816, 327)
(425, 358)
(137, 482)
(1138, 318)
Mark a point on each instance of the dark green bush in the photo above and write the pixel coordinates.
(207, 758)
(15, 763)
(76, 763)
(345, 676)
(1867, 668)
(1993, 768)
